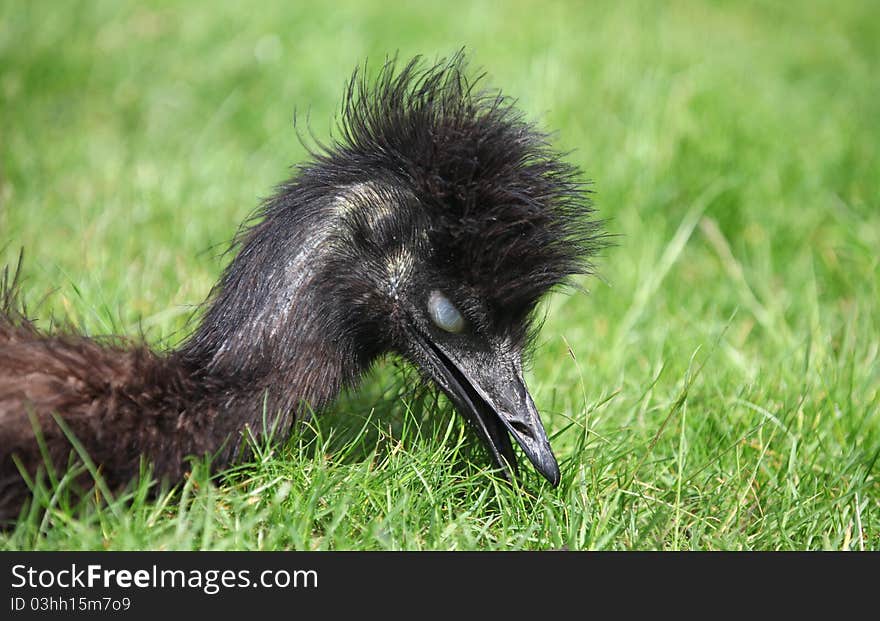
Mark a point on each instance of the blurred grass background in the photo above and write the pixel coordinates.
(722, 375)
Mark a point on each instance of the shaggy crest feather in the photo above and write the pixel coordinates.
(510, 214)
(434, 190)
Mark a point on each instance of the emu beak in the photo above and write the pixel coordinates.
(488, 389)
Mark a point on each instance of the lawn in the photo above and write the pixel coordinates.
(716, 387)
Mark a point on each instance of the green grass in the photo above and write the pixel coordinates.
(719, 388)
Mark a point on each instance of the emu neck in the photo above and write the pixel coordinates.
(269, 342)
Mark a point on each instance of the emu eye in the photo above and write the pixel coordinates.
(444, 314)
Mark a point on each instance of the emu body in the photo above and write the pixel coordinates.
(429, 230)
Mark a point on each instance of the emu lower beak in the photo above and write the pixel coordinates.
(488, 389)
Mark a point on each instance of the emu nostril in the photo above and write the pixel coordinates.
(522, 429)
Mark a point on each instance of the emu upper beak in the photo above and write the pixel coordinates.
(488, 389)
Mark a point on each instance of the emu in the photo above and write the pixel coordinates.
(429, 229)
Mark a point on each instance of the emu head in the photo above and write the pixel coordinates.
(430, 229)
